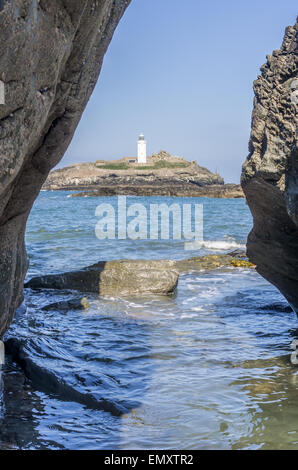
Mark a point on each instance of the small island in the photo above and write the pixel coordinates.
(160, 174)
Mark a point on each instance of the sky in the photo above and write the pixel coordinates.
(181, 72)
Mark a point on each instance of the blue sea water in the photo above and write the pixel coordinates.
(205, 368)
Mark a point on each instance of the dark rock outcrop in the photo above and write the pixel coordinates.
(167, 189)
(51, 53)
(114, 278)
(60, 383)
(270, 173)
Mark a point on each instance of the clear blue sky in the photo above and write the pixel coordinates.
(182, 73)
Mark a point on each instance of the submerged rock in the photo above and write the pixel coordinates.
(33, 356)
(50, 58)
(241, 263)
(114, 278)
(2, 353)
(270, 173)
(277, 307)
(77, 303)
(234, 259)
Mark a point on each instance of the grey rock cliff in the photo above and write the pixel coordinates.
(51, 53)
(270, 173)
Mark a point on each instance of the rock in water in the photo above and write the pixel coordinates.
(77, 303)
(131, 277)
(124, 277)
(270, 173)
(50, 58)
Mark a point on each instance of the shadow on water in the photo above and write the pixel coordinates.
(272, 388)
(268, 384)
(18, 407)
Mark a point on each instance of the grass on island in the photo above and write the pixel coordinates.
(156, 166)
(114, 166)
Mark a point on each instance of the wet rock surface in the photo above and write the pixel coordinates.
(166, 188)
(124, 277)
(29, 356)
(270, 175)
(76, 303)
(234, 259)
(132, 277)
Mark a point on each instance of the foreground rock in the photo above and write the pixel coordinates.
(114, 278)
(54, 377)
(50, 57)
(132, 277)
(270, 173)
(166, 189)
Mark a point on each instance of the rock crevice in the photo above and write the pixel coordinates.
(269, 176)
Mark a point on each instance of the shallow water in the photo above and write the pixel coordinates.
(205, 368)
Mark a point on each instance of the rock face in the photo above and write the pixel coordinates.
(270, 173)
(114, 278)
(167, 189)
(51, 55)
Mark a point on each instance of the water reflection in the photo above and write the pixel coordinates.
(272, 386)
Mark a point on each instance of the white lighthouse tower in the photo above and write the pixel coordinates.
(142, 149)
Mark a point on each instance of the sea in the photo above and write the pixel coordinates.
(207, 367)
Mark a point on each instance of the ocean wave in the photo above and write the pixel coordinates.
(216, 245)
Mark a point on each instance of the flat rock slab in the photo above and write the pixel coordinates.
(123, 277)
(132, 277)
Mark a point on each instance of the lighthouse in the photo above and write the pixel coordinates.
(142, 149)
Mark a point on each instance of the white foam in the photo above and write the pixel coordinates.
(215, 245)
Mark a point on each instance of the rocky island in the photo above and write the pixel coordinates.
(162, 174)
